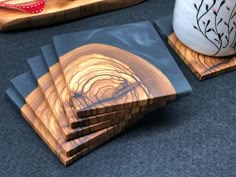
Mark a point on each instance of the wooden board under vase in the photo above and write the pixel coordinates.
(58, 11)
(202, 66)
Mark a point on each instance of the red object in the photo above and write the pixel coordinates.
(33, 8)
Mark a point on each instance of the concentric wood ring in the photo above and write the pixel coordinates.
(103, 78)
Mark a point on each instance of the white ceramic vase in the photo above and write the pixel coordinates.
(206, 26)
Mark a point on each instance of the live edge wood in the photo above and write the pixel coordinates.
(111, 79)
(202, 66)
(58, 11)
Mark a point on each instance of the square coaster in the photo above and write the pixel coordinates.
(202, 66)
(110, 69)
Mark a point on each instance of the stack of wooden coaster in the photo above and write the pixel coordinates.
(86, 87)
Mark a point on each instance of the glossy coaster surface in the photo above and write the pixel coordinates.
(125, 62)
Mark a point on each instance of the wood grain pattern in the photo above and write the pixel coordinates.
(49, 120)
(59, 11)
(55, 146)
(51, 97)
(17, 2)
(63, 94)
(51, 109)
(202, 66)
(111, 79)
(46, 117)
(88, 142)
(53, 143)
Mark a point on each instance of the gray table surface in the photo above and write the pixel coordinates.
(195, 136)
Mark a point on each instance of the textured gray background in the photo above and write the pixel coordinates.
(192, 137)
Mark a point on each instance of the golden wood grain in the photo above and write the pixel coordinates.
(57, 11)
(202, 66)
(87, 143)
(53, 143)
(65, 109)
(55, 111)
(111, 79)
(47, 124)
(50, 108)
(48, 119)
(70, 148)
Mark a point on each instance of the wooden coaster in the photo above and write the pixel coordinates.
(202, 66)
(86, 143)
(104, 79)
(58, 12)
(110, 69)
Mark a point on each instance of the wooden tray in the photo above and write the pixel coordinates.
(59, 11)
(202, 66)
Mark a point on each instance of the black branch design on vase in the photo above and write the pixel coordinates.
(209, 28)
